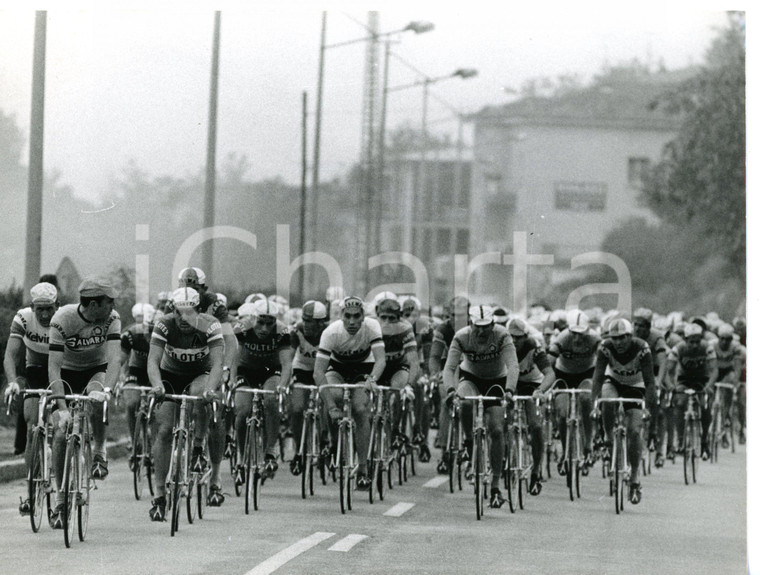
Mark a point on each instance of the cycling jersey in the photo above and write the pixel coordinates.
(305, 347)
(482, 360)
(35, 337)
(209, 304)
(398, 338)
(341, 348)
(187, 353)
(726, 359)
(575, 357)
(256, 352)
(657, 344)
(443, 334)
(532, 360)
(135, 341)
(82, 342)
(692, 363)
(625, 368)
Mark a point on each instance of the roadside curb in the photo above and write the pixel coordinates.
(14, 469)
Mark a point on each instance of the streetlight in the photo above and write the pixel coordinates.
(425, 82)
(416, 26)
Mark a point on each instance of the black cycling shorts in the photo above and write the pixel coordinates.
(493, 387)
(390, 371)
(351, 372)
(141, 373)
(177, 383)
(526, 387)
(36, 377)
(303, 376)
(78, 380)
(573, 380)
(627, 392)
(255, 378)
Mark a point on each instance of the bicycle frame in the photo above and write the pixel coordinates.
(40, 463)
(380, 454)
(573, 447)
(141, 443)
(692, 435)
(518, 434)
(309, 450)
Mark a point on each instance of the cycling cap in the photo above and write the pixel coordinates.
(245, 310)
(393, 304)
(222, 298)
(97, 287)
(517, 327)
(192, 277)
(620, 326)
(700, 321)
(44, 292)
(411, 302)
(352, 302)
(145, 310)
(500, 316)
(265, 307)
(725, 330)
(163, 296)
(314, 310)
(254, 297)
(577, 321)
(185, 298)
(481, 315)
(692, 329)
(643, 314)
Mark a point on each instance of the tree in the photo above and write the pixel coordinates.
(700, 181)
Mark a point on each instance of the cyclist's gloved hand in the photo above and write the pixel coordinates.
(64, 418)
(98, 395)
(12, 389)
(158, 392)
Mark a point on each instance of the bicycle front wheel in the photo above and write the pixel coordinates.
(178, 465)
(343, 475)
(511, 472)
(478, 466)
(138, 460)
(37, 480)
(696, 452)
(83, 499)
(70, 487)
(688, 449)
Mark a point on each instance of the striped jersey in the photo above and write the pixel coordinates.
(575, 357)
(187, 353)
(398, 338)
(256, 352)
(82, 342)
(626, 368)
(482, 360)
(35, 337)
(339, 346)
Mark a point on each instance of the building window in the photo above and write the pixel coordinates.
(637, 167)
(580, 196)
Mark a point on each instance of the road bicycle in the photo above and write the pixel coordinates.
(620, 469)
(141, 460)
(230, 436)
(692, 436)
(346, 460)
(572, 456)
(550, 442)
(721, 429)
(381, 456)
(519, 455)
(309, 451)
(77, 470)
(455, 451)
(481, 461)
(405, 433)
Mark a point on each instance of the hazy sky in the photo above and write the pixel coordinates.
(134, 84)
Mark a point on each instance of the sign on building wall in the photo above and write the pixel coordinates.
(580, 196)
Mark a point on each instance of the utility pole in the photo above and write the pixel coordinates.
(210, 190)
(302, 221)
(36, 148)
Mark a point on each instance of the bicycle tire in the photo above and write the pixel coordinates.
(525, 472)
(83, 499)
(350, 462)
(192, 483)
(341, 465)
(511, 472)
(696, 452)
(137, 461)
(449, 457)
(549, 446)
(233, 468)
(687, 450)
(611, 465)
(148, 456)
(201, 494)
(569, 457)
(70, 486)
(372, 459)
(36, 483)
(303, 456)
(715, 435)
(731, 435)
(176, 488)
(479, 469)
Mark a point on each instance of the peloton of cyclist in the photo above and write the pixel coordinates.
(264, 361)
(186, 356)
(28, 342)
(729, 355)
(488, 367)
(624, 369)
(351, 351)
(697, 367)
(84, 353)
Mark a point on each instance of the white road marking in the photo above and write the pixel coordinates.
(436, 481)
(347, 542)
(279, 559)
(399, 509)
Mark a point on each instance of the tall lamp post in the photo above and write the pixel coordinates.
(418, 27)
(409, 199)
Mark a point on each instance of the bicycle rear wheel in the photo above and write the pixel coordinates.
(570, 456)
(305, 457)
(618, 466)
(192, 484)
(715, 435)
(37, 480)
(374, 449)
(696, 452)
(70, 486)
(511, 472)
(549, 447)
(343, 474)
(525, 470)
(201, 493)
(85, 488)
(178, 464)
(478, 466)
(688, 448)
(138, 459)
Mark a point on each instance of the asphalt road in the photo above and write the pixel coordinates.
(419, 528)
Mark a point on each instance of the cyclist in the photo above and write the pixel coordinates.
(624, 369)
(698, 370)
(730, 360)
(304, 340)
(573, 355)
(28, 342)
(642, 326)
(162, 302)
(186, 352)
(350, 351)
(534, 367)
(264, 361)
(135, 345)
(488, 367)
(401, 359)
(455, 314)
(84, 352)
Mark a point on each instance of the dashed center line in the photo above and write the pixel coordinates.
(436, 481)
(348, 542)
(279, 559)
(399, 509)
